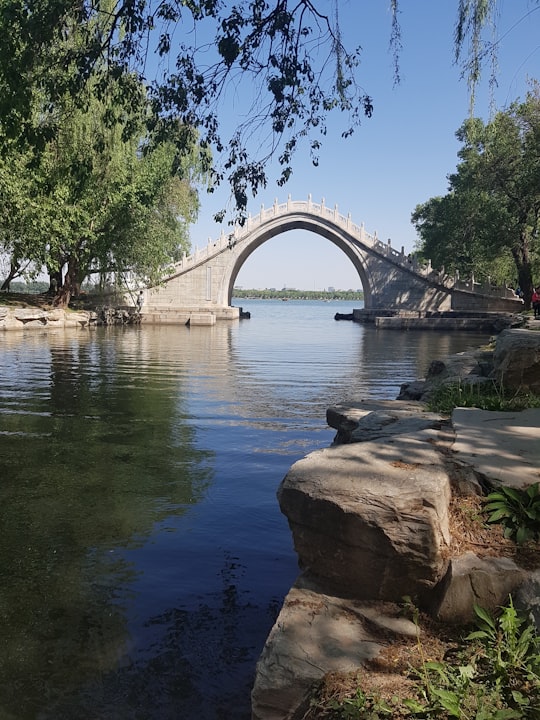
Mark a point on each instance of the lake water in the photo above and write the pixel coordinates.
(143, 557)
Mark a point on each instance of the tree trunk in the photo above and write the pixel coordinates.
(55, 281)
(69, 285)
(13, 272)
(520, 254)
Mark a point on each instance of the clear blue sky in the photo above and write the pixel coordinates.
(398, 158)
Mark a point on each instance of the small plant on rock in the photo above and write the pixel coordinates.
(517, 510)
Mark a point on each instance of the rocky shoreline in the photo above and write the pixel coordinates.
(31, 318)
(373, 521)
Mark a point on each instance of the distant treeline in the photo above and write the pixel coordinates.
(288, 294)
(38, 287)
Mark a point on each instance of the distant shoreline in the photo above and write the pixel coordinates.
(288, 294)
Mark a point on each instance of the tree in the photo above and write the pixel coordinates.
(493, 208)
(98, 197)
(290, 51)
(456, 229)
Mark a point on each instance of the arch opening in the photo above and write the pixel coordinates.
(302, 242)
(300, 260)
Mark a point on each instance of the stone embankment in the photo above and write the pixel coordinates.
(444, 321)
(372, 522)
(32, 318)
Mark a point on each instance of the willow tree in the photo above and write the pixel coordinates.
(291, 53)
(475, 44)
(86, 187)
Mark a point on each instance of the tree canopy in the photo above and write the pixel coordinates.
(290, 52)
(492, 211)
(86, 188)
(285, 49)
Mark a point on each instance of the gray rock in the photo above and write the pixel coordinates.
(412, 390)
(472, 580)
(315, 634)
(516, 360)
(527, 598)
(371, 519)
(500, 446)
(30, 315)
(376, 420)
(459, 365)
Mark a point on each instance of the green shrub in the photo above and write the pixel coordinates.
(518, 511)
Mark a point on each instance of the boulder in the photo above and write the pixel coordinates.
(467, 368)
(31, 316)
(371, 519)
(516, 360)
(475, 581)
(527, 598)
(376, 420)
(77, 319)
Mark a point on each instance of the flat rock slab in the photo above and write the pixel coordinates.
(315, 634)
(360, 422)
(502, 446)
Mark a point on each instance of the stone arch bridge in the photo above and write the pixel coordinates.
(201, 284)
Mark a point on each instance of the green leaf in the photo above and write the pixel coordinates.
(496, 497)
(495, 505)
(449, 700)
(513, 494)
(484, 615)
(497, 515)
(478, 635)
(413, 705)
(523, 534)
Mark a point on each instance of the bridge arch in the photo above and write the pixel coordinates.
(262, 234)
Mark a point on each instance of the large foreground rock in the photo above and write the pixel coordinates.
(370, 525)
(371, 519)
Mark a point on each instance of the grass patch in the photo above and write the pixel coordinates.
(486, 396)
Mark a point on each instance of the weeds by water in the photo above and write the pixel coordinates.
(486, 396)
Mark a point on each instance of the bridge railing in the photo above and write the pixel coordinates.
(357, 231)
(485, 288)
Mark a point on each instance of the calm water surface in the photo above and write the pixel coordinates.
(143, 557)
